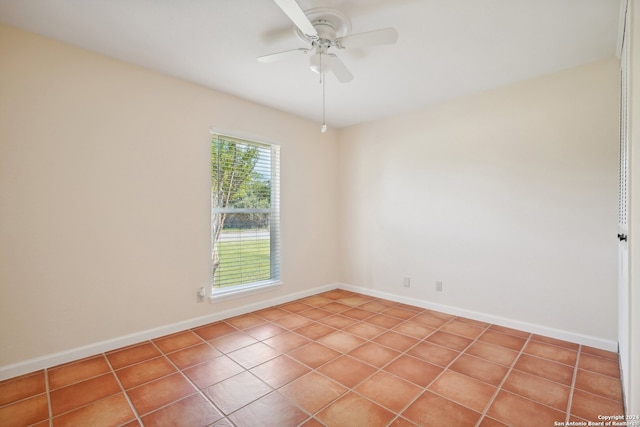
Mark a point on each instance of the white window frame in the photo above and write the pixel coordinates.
(217, 294)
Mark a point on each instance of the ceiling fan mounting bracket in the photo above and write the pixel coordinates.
(329, 23)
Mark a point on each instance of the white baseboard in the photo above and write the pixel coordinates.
(54, 359)
(47, 361)
(588, 340)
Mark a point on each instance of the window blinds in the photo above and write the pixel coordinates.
(245, 214)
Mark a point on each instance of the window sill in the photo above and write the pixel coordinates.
(243, 290)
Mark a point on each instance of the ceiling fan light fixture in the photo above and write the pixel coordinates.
(320, 63)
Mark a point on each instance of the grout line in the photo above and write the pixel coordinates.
(124, 392)
(504, 379)
(48, 391)
(573, 385)
(198, 391)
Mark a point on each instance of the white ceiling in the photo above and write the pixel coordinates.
(446, 48)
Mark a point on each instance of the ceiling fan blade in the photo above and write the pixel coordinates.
(297, 16)
(370, 38)
(340, 70)
(282, 55)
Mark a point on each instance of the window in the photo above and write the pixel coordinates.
(245, 220)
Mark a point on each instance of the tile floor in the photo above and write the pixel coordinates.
(334, 359)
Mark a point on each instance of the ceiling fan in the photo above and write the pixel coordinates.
(324, 29)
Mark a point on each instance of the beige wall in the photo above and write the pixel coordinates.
(104, 197)
(508, 197)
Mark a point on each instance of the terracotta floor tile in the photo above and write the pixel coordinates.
(551, 352)
(357, 313)
(111, 411)
(292, 321)
(556, 342)
(193, 355)
(235, 392)
(253, 355)
(429, 320)
(400, 313)
(365, 330)
(214, 330)
(473, 322)
(598, 352)
(395, 341)
(515, 410)
(21, 387)
(134, 354)
(600, 365)
(265, 331)
(25, 412)
(510, 331)
(356, 300)
(69, 373)
(314, 354)
(178, 341)
(336, 294)
(432, 410)
(414, 370)
(402, 422)
(286, 342)
(588, 406)
(461, 328)
(315, 313)
(336, 307)
(439, 314)
(212, 371)
(433, 353)
(599, 384)
(233, 341)
(341, 341)
(464, 390)
(314, 330)
(536, 388)
(413, 329)
(338, 358)
(279, 371)
(375, 306)
(451, 341)
(503, 340)
(73, 396)
(544, 368)
(353, 410)
(245, 321)
(383, 321)
(141, 373)
(271, 313)
(313, 391)
(389, 391)
(312, 422)
(374, 354)
(316, 300)
(490, 422)
(480, 369)
(347, 371)
(337, 321)
(156, 394)
(492, 353)
(272, 410)
(193, 411)
(295, 306)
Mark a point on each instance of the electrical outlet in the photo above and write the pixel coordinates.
(406, 282)
(201, 294)
(438, 286)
